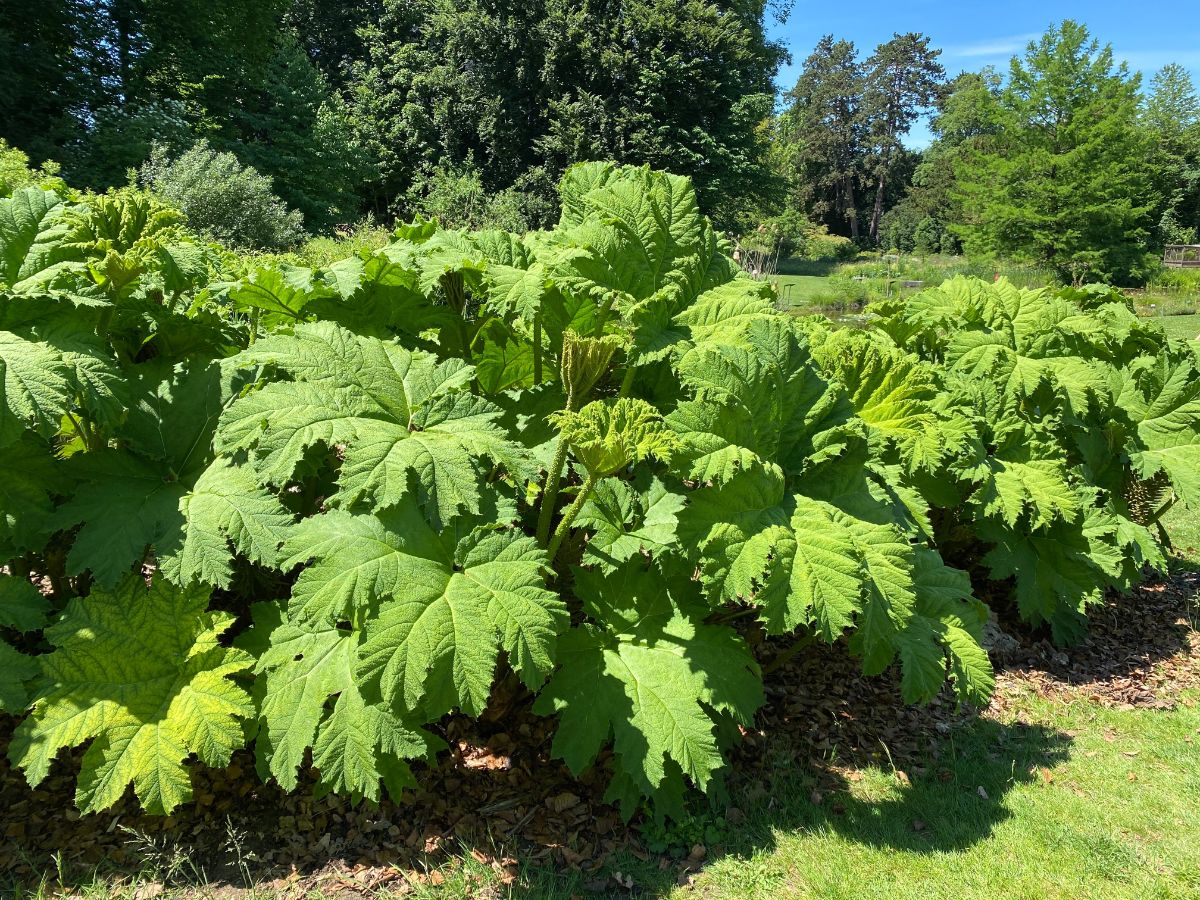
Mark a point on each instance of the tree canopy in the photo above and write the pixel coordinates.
(1062, 176)
(360, 105)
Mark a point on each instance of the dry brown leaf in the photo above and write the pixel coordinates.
(562, 802)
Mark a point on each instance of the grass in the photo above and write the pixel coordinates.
(830, 284)
(803, 290)
(1182, 327)
(1183, 525)
(1080, 801)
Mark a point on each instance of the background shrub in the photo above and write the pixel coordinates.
(457, 197)
(222, 198)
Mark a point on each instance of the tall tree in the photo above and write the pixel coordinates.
(293, 127)
(1172, 106)
(903, 80)
(1062, 178)
(160, 70)
(331, 32)
(51, 72)
(964, 123)
(519, 89)
(1172, 114)
(823, 124)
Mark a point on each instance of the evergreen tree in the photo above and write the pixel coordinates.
(1172, 114)
(824, 127)
(1062, 178)
(1172, 107)
(294, 128)
(903, 80)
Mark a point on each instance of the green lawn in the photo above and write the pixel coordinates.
(1183, 525)
(1080, 801)
(1183, 327)
(801, 290)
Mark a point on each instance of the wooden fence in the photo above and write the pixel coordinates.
(1182, 256)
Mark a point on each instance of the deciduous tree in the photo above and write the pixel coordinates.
(824, 126)
(1062, 178)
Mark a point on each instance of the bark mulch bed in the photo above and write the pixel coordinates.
(500, 793)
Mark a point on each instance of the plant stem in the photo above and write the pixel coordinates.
(550, 490)
(456, 296)
(537, 349)
(602, 315)
(553, 479)
(1165, 508)
(464, 337)
(724, 618)
(78, 430)
(56, 565)
(627, 381)
(105, 320)
(564, 524)
(781, 658)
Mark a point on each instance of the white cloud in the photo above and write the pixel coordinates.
(1002, 46)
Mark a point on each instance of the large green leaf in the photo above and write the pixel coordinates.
(404, 422)
(129, 497)
(226, 506)
(35, 387)
(627, 519)
(760, 405)
(142, 675)
(32, 238)
(652, 682)
(356, 744)
(435, 608)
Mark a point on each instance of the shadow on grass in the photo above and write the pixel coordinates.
(949, 800)
(945, 800)
(819, 267)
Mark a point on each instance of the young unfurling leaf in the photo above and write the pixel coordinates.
(608, 436)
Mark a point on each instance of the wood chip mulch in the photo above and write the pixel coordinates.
(500, 794)
(1142, 651)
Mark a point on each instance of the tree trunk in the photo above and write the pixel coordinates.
(877, 212)
(122, 19)
(851, 209)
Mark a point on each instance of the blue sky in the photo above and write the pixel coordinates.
(973, 34)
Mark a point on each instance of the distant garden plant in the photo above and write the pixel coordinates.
(223, 199)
